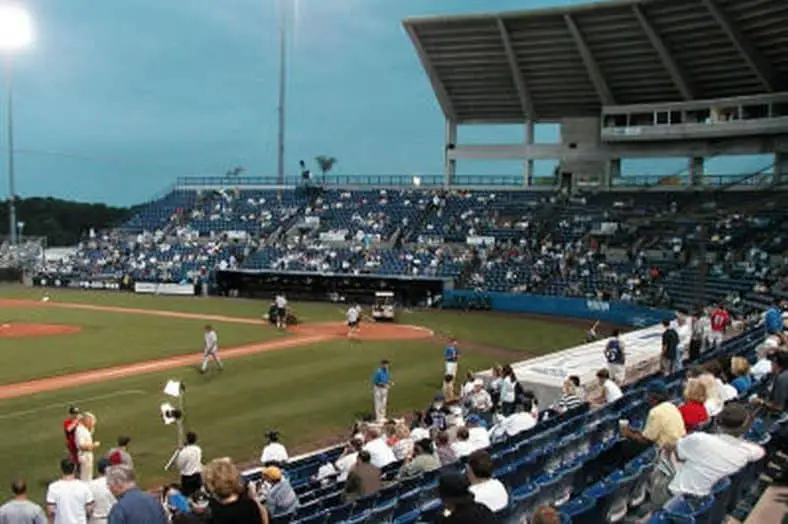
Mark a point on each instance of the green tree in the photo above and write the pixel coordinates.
(325, 163)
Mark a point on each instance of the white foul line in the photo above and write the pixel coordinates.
(60, 405)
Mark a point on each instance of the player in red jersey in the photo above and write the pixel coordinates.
(720, 320)
(69, 429)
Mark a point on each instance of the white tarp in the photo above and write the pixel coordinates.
(545, 375)
(156, 288)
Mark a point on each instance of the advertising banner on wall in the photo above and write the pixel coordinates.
(164, 288)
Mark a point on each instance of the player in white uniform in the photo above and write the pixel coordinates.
(211, 350)
(281, 311)
(353, 316)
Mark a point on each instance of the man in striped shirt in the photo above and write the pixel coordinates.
(570, 398)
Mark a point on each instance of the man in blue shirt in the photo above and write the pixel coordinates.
(774, 319)
(616, 361)
(451, 355)
(381, 381)
(134, 506)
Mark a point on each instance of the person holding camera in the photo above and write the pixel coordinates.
(189, 464)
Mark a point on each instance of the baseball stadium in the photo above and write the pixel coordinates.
(573, 319)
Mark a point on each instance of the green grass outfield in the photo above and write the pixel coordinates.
(311, 393)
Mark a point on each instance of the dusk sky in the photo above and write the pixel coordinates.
(119, 97)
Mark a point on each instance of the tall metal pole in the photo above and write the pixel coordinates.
(10, 138)
(280, 168)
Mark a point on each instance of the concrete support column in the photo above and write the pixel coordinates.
(780, 168)
(449, 164)
(696, 166)
(612, 172)
(529, 162)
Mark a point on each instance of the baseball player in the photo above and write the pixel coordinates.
(211, 350)
(353, 317)
(281, 311)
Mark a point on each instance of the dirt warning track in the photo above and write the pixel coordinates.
(300, 335)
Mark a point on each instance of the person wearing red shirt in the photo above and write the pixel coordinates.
(693, 411)
(720, 319)
(69, 429)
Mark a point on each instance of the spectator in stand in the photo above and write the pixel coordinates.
(349, 458)
(485, 489)
(404, 446)
(281, 499)
(444, 449)
(69, 501)
(120, 454)
(546, 515)
(763, 367)
(479, 401)
(740, 369)
(720, 320)
(458, 501)
(494, 387)
(327, 471)
(697, 338)
(616, 359)
(462, 446)
(517, 422)
(20, 510)
(773, 320)
(133, 505)
(448, 390)
(508, 391)
(707, 457)
(437, 414)
(418, 431)
(424, 459)
(363, 480)
(189, 464)
(103, 498)
(380, 453)
(478, 435)
(274, 453)
(670, 357)
(693, 410)
(777, 399)
(570, 398)
(713, 402)
(726, 391)
(230, 501)
(610, 390)
(467, 386)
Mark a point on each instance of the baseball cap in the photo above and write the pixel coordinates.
(273, 473)
(657, 387)
(734, 418)
(439, 397)
(73, 410)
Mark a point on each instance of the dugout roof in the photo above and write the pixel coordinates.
(569, 61)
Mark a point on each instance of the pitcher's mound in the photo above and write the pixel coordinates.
(21, 329)
(367, 331)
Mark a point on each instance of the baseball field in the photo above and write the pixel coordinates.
(112, 353)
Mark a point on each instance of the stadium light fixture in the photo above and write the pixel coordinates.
(16, 28)
(16, 32)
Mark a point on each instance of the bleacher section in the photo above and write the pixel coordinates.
(572, 461)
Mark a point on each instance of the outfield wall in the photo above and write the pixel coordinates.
(620, 313)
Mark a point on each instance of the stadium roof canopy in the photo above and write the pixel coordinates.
(561, 62)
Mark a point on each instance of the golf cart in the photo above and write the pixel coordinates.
(384, 306)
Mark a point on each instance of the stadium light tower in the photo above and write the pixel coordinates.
(280, 153)
(16, 33)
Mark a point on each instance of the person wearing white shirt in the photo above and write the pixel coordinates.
(518, 422)
(83, 436)
(189, 464)
(103, 499)
(274, 453)
(281, 311)
(326, 472)
(486, 490)
(477, 435)
(69, 501)
(610, 390)
(348, 459)
(479, 399)
(462, 447)
(706, 458)
(211, 350)
(352, 316)
(508, 391)
(380, 453)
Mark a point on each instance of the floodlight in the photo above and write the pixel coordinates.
(417, 181)
(174, 388)
(16, 28)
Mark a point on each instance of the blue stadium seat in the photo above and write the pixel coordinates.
(698, 508)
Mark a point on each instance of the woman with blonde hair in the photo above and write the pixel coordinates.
(740, 369)
(403, 449)
(230, 501)
(83, 437)
(713, 402)
(693, 410)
